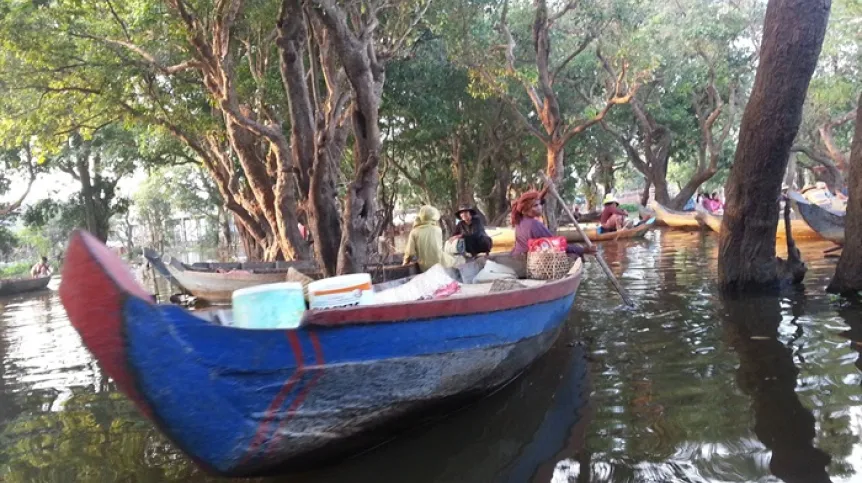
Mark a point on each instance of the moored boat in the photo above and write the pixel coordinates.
(829, 224)
(13, 286)
(685, 220)
(245, 402)
(216, 282)
(799, 228)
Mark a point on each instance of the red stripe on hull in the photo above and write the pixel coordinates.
(279, 398)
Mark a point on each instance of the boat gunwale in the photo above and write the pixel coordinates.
(396, 312)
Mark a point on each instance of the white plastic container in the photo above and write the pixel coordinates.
(269, 306)
(342, 291)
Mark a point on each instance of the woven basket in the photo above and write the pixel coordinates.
(548, 265)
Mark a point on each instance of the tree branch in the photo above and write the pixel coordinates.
(584, 44)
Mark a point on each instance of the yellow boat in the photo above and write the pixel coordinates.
(685, 220)
(800, 229)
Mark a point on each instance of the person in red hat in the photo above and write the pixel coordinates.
(526, 214)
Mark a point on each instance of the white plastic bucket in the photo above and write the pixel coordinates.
(269, 306)
(342, 291)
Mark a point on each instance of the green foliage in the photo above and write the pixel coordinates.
(8, 241)
(18, 269)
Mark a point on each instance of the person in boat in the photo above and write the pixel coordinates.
(425, 241)
(689, 205)
(712, 203)
(41, 269)
(526, 212)
(613, 218)
(818, 194)
(472, 230)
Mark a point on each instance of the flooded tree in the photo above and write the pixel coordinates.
(792, 39)
(848, 273)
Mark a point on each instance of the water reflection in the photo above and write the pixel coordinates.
(686, 387)
(768, 375)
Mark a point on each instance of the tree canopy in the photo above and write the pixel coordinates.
(333, 114)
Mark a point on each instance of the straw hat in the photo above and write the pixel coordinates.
(610, 198)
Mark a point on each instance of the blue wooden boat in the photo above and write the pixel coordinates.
(247, 402)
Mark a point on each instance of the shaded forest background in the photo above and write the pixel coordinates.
(260, 115)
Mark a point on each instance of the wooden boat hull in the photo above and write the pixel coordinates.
(827, 223)
(12, 286)
(685, 220)
(592, 231)
(507, 235)
(155, 260)
(245, 402)
(799, 228)
(216, 282)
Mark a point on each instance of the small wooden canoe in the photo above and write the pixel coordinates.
(800, 229)
(685, 220)
(247, 402)
(504, 237)
(829, 224)
(12, 286)
(592, 232)
(216, 282)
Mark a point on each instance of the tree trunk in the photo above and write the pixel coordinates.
(793, 36)
(315, 180)
(848, 273)
(555, 169)
(645, 192)
(253, 250)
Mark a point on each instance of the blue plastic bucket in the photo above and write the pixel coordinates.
(270, 306)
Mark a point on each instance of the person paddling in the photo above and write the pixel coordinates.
(41, 269)
(613, 218)
(472, 230)
(525, 219)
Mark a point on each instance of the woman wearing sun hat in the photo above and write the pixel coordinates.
(613, 218)
(472, 230)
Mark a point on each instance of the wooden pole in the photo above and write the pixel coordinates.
(602, 263)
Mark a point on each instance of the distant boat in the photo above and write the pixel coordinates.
(504, 237)
(675, 219)
(247, 402)
(800, 229)
(216, 282)
(829, 224)
(593, 233)
(12, 286)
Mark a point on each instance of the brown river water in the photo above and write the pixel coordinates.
(687, 387)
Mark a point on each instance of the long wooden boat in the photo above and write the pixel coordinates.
(799, 228)
(593, 233)
(216, 282)
(155, 260)
(504, 237)
(685, 220)
(829, 224)
(12, 286)
(245, 402)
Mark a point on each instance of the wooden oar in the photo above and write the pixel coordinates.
(602, 263)
(833, 249)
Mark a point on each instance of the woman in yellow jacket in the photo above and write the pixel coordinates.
(425, 241)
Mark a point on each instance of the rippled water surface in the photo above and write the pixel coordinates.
(687, 387)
